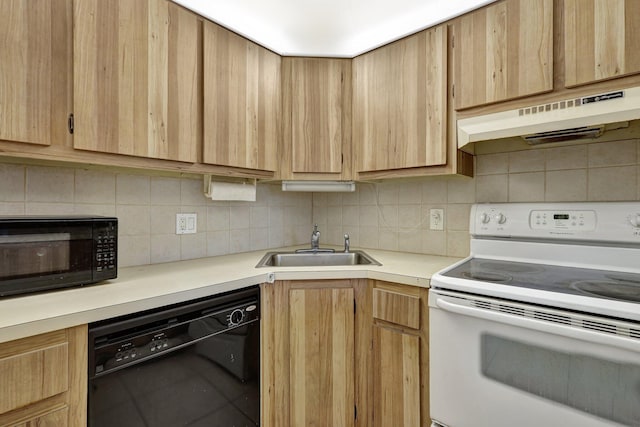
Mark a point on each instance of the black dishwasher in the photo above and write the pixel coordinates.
(190, 364)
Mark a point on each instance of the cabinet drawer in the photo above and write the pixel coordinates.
(33, 375)
(398, 308)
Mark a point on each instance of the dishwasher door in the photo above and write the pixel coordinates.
(189, 365)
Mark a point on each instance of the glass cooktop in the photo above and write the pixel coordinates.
(570, 280)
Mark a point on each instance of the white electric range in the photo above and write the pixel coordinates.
(540, 325)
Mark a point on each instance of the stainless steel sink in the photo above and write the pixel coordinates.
(311, 259)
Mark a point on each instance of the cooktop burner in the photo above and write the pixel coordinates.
(486, 276)
(569, 280)
(610, 289)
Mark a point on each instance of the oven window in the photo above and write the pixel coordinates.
(605, 388)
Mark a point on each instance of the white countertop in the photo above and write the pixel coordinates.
(149, 286)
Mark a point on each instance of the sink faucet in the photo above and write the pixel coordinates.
(346, 243)
(315, 238)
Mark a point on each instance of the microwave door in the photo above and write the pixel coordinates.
(34, 254)
(33, 260)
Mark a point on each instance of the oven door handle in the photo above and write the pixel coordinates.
(539, 325)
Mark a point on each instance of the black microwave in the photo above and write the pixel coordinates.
(39, 253)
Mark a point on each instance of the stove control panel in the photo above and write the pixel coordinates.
(562, 220)
(587, 221)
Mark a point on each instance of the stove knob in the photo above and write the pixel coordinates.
(500, 218)
(484, 218)
(635, 220)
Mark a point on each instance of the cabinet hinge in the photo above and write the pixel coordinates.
(70, 123)
(355, 412)
(453, 90)
(354, 306)
(342, 159)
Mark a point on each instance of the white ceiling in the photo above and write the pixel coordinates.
(328, 28)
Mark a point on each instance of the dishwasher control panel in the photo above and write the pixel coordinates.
(133, 340)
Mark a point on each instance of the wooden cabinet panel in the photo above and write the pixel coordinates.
(34, 376)
(34, 74)
(308, 353)
(504, 51)
(316, 117)
(396, 371)
(57, 418)
(399, 373)
(241, 101)
(136, 78)
(322, 357)
(602, 40)
(395, 307)
(44, 380)
(400, 103)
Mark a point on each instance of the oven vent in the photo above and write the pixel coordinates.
(621, 328)
(552, 317)
(516, 311)
(606, 328)
(482, 304)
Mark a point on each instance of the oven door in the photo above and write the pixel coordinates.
(503, 364)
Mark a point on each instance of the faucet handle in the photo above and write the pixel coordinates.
(315, 228)
(346, 243)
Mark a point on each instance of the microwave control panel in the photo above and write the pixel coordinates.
(106, 241)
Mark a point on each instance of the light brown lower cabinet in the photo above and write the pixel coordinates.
(308, 353)
(400, 368)
(44, 380)
(344, 353)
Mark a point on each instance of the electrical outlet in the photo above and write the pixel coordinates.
(186, 223)
(436, 219)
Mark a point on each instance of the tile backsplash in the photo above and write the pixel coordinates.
(390, 215)
(394, 215)
(146, 207)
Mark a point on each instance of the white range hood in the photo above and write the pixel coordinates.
(564, 120)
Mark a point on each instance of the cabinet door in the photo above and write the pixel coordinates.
(136, 78)
(308, 355)
(504, 51)
(34, 70)
(602, 39)
(400, 103)
(44, 380)
(396, 371)
(322, 357)
(316, 117)
(241, 101)
(399, 374)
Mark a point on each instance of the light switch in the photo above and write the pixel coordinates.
(186, 223)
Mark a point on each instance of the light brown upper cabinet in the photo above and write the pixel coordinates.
(400, 104)
(504, 51)
(241, 101)
(316, 109)
(34, 70)
(137, 78)
(602, 40)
